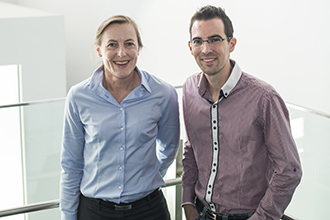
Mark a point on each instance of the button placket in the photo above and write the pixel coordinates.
(121, 149)
(215, 150)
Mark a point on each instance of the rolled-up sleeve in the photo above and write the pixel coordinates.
(190, 170)
(284, 155)
(190, 174)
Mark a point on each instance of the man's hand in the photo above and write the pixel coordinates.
(190, 211)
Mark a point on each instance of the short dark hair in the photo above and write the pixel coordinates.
(209, 12)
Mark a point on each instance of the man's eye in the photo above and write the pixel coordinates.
(197, 41)
(215, 39)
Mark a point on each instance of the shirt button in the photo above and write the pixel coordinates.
(120, 168)
(121, 148)
(121, 109)
(121, 128)
(119, 187)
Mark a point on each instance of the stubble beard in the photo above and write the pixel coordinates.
(212, 72)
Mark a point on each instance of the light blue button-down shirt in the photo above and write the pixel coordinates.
(109, 149)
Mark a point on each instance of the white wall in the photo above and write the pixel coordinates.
(34, 40)
(283, 42)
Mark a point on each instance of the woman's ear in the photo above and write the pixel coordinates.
(99, 51)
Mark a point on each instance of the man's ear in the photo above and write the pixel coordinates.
(232, 44)
(190, 48)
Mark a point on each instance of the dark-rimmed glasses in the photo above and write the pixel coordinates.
(212, 41)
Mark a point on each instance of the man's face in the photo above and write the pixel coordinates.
(211, 58)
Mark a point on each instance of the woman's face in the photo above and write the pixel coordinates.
(119, 50)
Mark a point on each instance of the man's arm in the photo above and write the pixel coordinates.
(189, 179)
(190, 172)
(284, 155)
(190, 211)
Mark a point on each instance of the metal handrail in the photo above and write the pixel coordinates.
(288, 217)
(304, 109)
(289, 104)
(30, 208)
(32, 103)
(55, 203)
(44, 101)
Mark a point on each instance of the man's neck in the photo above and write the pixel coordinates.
(217, 81)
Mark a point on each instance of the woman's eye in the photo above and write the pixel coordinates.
(112, 45)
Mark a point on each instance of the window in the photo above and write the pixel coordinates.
(11, 169)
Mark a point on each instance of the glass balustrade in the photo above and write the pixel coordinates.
(311, 131)
(29, 165)
(30, 155)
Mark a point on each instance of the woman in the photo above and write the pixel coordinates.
(111, 166)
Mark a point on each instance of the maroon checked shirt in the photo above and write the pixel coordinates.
(240, 155)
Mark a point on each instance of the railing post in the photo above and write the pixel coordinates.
(178, 188)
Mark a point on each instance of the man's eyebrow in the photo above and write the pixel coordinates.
(215, 35)
(196, 38)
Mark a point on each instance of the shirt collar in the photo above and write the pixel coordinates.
(97, 79)
(233, 79)
(144, 79)
(230, 84)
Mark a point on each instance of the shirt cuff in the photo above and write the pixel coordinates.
(68, 217)
(187, 203)
(188, 195)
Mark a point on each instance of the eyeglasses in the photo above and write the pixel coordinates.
(212, 41)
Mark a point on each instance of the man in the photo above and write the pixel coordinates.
(240, 160)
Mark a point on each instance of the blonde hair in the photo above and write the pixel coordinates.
(117, 19)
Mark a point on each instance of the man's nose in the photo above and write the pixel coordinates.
(206, 47)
